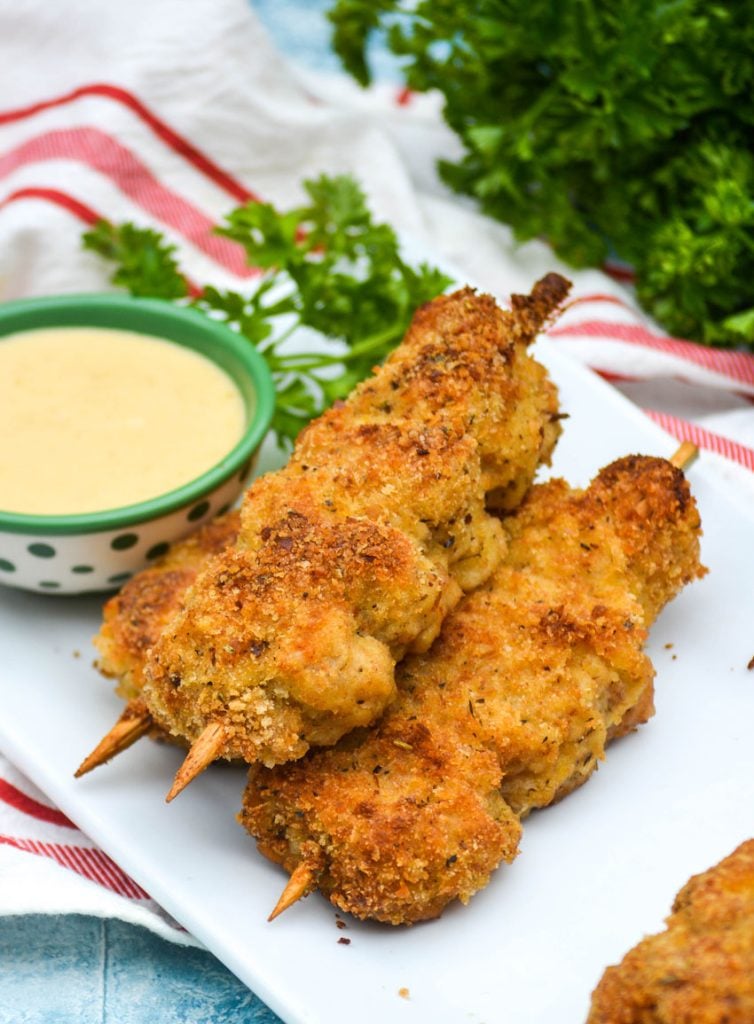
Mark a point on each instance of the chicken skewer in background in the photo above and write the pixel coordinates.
(701, 968)
(351, 556)
(510, 710)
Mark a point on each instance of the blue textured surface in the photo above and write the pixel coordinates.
(84, 970)
(302, 32)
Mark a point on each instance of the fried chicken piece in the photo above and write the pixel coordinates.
(700, 970)
(132, 621)
(510, 710)
(352, 555)
(134, 617)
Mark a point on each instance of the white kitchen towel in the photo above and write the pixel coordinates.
(170, 114)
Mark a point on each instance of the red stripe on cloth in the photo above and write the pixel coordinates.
(404, 96)
(616, 377)
(107, 156)
(21, 801)
(72, 857)
(619, 378)
(738, 366)
(683, 430)
(52, 195)
(580, 300)
(84, 213)
(111, 874)
(94, 865)
(168, 135)
(100, 868)
(619, 272)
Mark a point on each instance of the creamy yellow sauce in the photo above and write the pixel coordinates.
(95, 418)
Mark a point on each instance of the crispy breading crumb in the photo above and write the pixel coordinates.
(700, 970)
(135, 616)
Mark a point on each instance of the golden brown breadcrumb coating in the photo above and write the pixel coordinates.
(135, 616)
(700, 970)
(352, 555)
(511, 709)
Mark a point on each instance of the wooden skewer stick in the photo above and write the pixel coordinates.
(203, 752)
(298, 885)
(683, 457)
(132, 724)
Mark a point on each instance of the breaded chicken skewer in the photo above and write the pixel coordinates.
(351, 556)
(133, 620)
(701, 968)
(511, 709)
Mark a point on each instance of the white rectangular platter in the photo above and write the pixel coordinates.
(595, 872)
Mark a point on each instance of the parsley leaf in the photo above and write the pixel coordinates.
(327, 267)
(146, 264)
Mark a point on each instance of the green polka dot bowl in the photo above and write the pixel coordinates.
(99, 551)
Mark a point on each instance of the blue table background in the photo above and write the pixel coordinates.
(86, 970)
(83, 970)
(302, 32)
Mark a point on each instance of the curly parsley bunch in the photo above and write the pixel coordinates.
(621, 127)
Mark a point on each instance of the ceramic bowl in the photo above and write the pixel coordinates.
(71, 554)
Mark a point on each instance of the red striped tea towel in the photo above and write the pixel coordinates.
(66, 872)
(170, 114)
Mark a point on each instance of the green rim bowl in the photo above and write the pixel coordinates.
(99, 550)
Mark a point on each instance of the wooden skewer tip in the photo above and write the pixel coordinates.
(685, 455)
(131, 726)
(204, 750)
(298, 885)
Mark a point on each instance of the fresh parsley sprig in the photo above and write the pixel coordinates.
(611, 127)
(326, 266)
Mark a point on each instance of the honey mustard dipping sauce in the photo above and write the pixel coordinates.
(94, 418)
